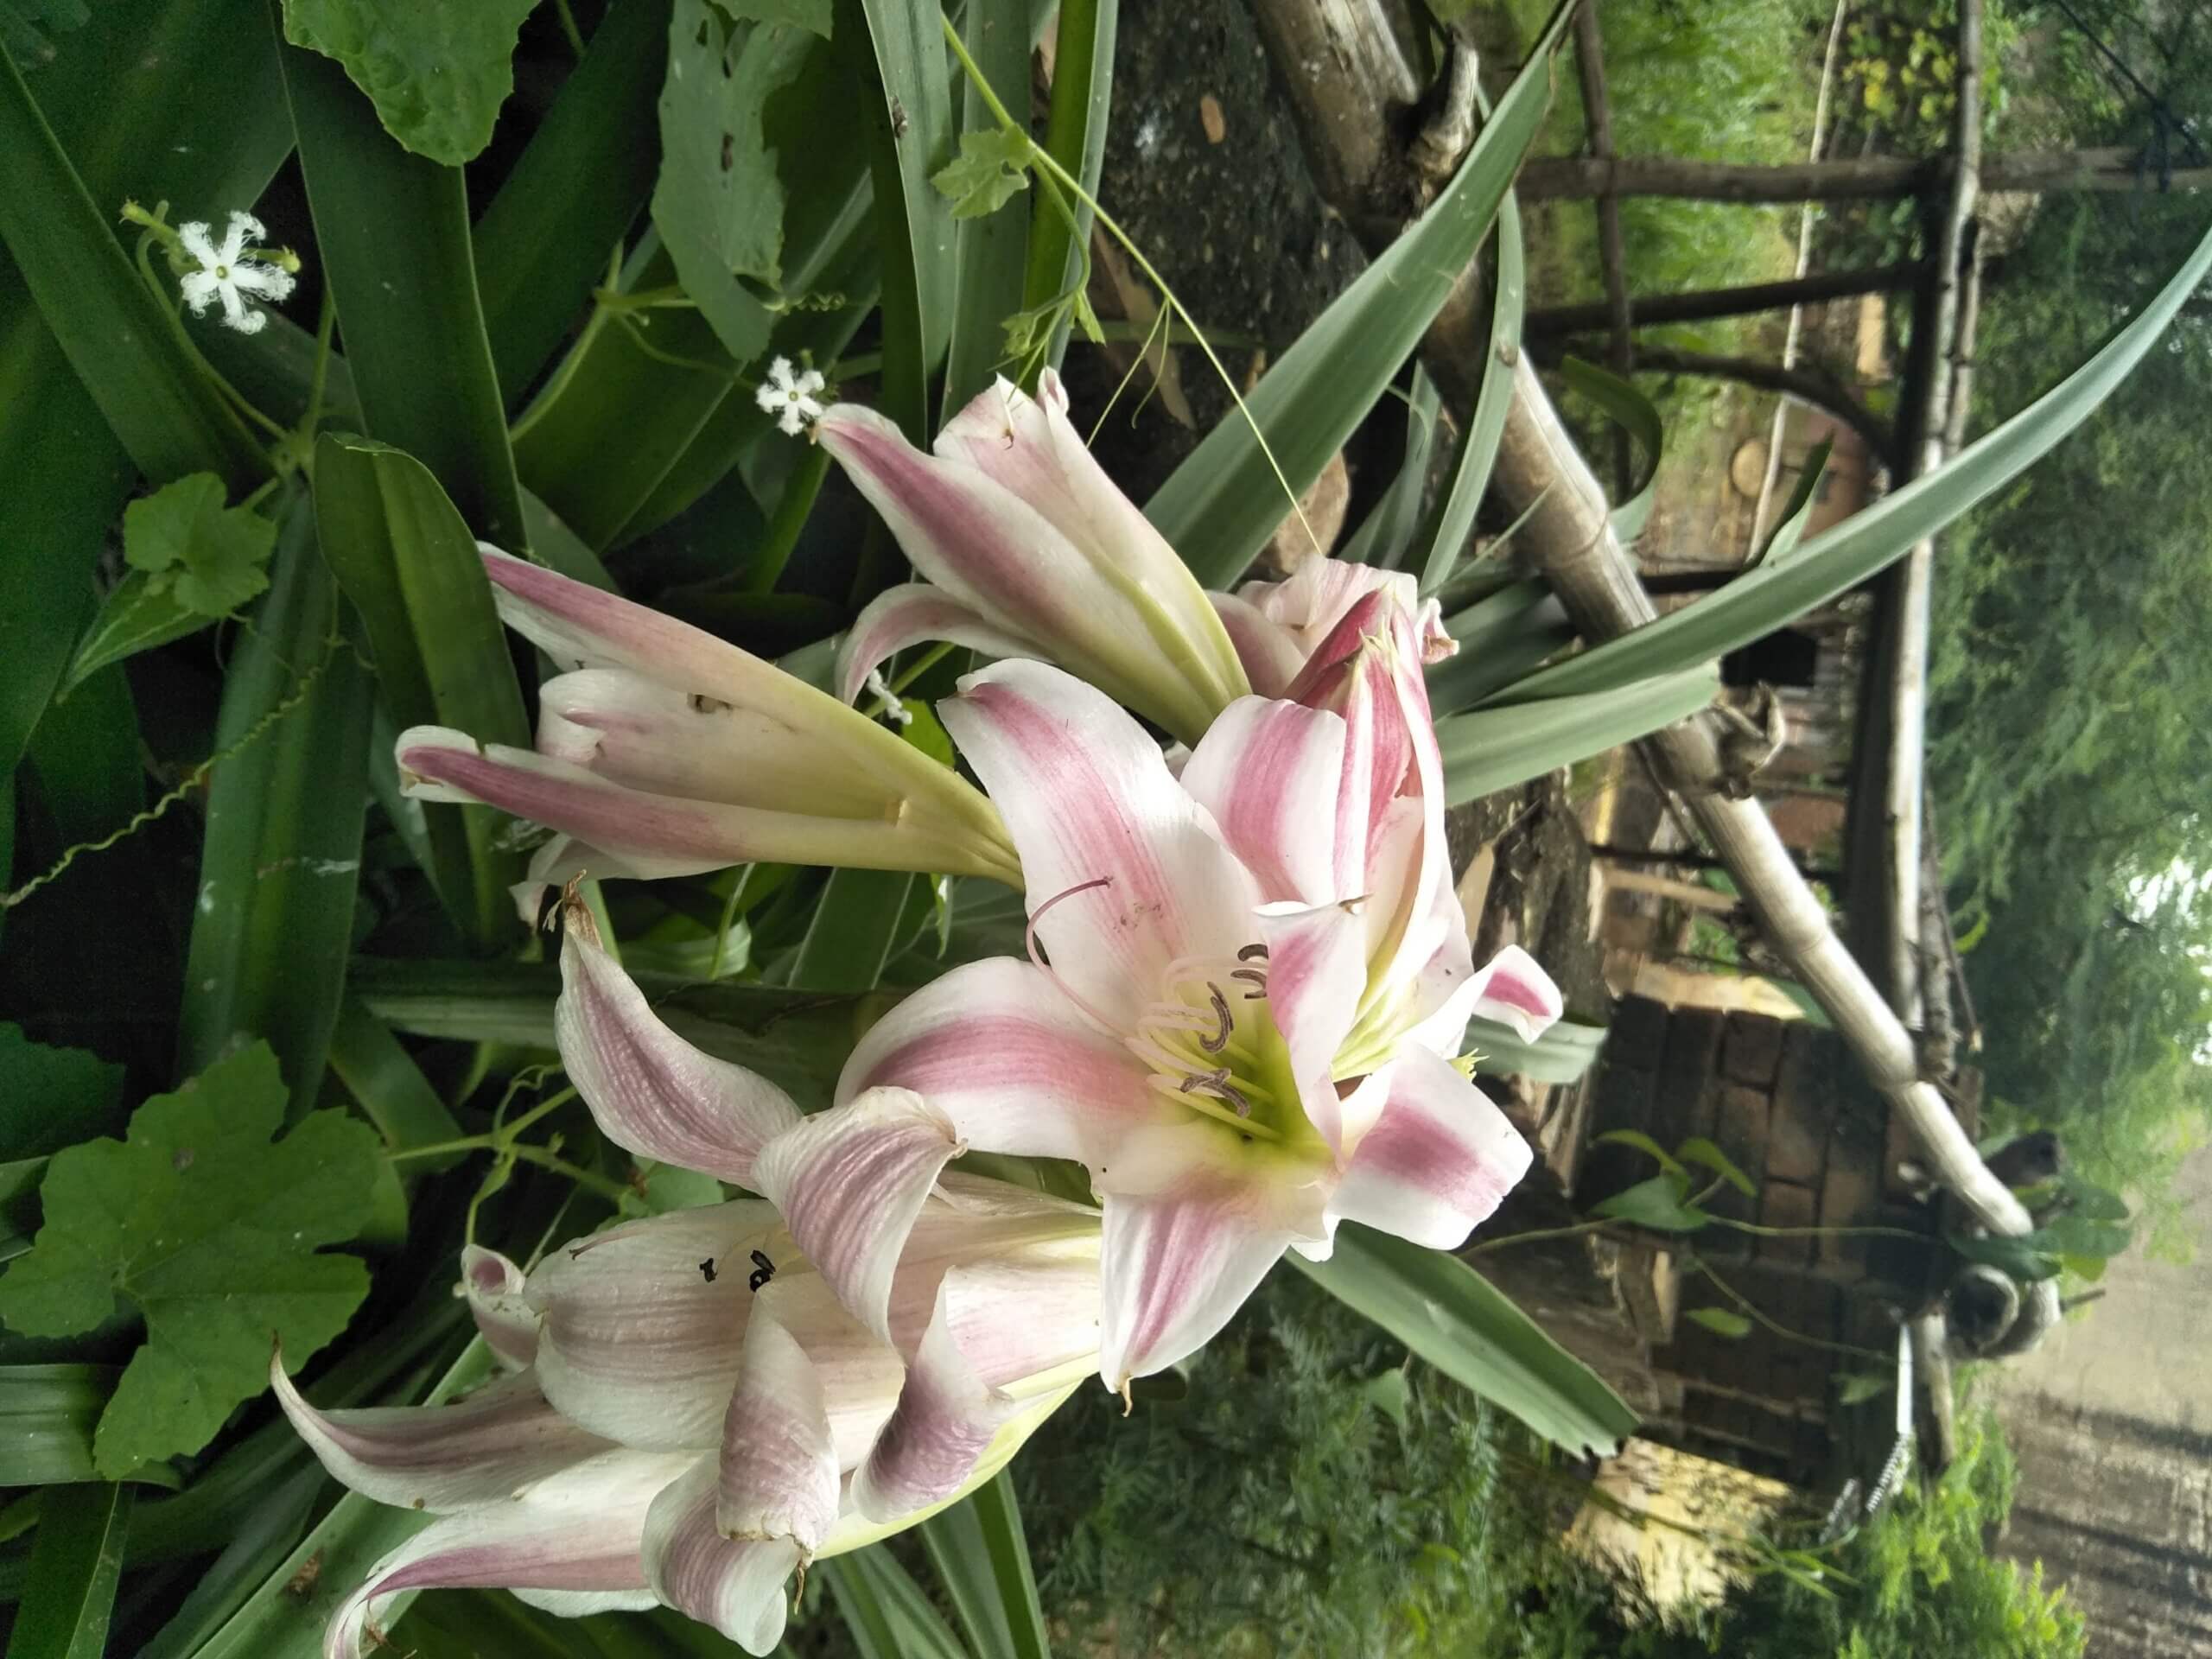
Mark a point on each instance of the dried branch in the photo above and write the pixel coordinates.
(1550, 322)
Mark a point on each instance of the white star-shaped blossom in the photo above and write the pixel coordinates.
(227, 273)
(789, 398)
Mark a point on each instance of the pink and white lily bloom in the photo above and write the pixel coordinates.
(1030, 550)
(692, 1413)
(1245, 990)
(1277, 626)
(664, 751)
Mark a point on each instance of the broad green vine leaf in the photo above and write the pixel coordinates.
(2014, 1255)
(991, 169)
(718, 203)
(211, 1231)
(1659, 1204)
(52, 1096)
(1698, 1150)
(208, 557)
(436, 70)
(1642, 1143)
(1721, 1321)
(813, 15)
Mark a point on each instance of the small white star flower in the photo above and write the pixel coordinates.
(229, 274)
(789, 398)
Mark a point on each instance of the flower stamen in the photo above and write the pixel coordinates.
(1219, 1040)
(1029, 939)
(1217, 1083)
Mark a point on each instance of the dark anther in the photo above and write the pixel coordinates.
(763, 1270)
(1219, 1040)
(707, 1270)
(1255, 978)
(1217, 1083)
(1253, 953)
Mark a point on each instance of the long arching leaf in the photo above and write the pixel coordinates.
(1757, 603)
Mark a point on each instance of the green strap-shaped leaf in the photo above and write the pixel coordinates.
(124, 343)
(1502, 636)
(658, 399)
(1453, 1317)
(893, 51)
(75, 1566)
(798, 1040)
(1075, 136)
(992, 248)
(1757, 602)
(278, 1622)
(1798, 509)
(981, 1557)
(392, 231)
(856, 921)
(1562, 1054)
(1221, 505)
(541, 246)
(1478, 454)
(406, 560)
(48, 1413)
(1385, 534)
(885, 1609)
(382, 1076)
(273, 915)
(1639, 416)
(272, 1521)
(1492, 749)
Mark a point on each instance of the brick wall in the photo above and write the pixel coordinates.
(1786, 1103)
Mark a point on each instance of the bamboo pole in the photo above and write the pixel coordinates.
(1905, 649)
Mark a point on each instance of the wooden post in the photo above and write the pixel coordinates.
(1870, 178)
(1612, 253)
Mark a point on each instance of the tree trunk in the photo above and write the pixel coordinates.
(1872, 178)
(1551, 323)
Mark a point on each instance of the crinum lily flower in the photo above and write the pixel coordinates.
(1252, 983)
(1277, 626)
(691, 1413)
(1030, 550)
(666, 751)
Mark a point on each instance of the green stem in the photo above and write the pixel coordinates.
(793, 509)
(1539, 1234)
(1752, 1311)
(585, 1178)
(1822, 1232)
